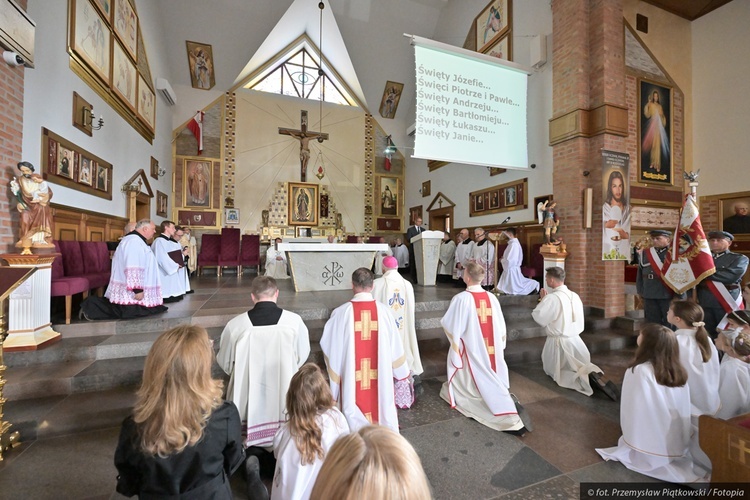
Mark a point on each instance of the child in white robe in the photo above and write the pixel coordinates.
(655, 411)
(734, 378)
(301, 444)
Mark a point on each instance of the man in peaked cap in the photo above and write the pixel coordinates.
(649, 282)
(720, 294)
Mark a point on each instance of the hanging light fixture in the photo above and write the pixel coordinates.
(319, 166)
(321, 6)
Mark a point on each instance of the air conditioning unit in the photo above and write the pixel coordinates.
(165, 89)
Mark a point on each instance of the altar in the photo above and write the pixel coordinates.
(328, 266)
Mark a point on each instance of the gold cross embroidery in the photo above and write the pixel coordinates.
(742, 449)
(483, 311)
(490, 349)
(366, 326)
(365, 375)
(368, 416)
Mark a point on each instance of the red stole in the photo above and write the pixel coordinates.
(366, 358)
(484, 313)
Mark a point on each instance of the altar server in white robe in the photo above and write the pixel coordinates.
(276, 262)
(565, 357)
(189, 241)
(478, 384)
(463, 252)
(179, 237)
(261, 350)
(734, 375)
(172, 274)
(446, 259)
(401, 253)
(511, 281)
(379, 258)
(483, 253)
(302, 443)
(397, 293)
(364, 354)
(655, 411)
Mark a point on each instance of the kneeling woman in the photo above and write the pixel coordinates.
(182, 440)
(655, 411)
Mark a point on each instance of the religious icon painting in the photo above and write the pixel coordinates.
(105, 6)
(162, 204)
(52, 156)
(414, 214)
(511, 198)
(201, 63)
(102, 177)
(734, 214)
(85, 169)
(90, 38)
(303, 203)
(125, 24)
(197, 183)
(154, 168)
(501, 49)
(391, 98)
(324, 206)
(146, 103)
(65, 162)
(478, 202)
(494, 200)
(390, 196)
(124, 77)
(492, 23)
(655, 133)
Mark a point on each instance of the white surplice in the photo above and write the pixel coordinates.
(261, 361)
(703, 378)
(565, 357)
(734, 387)
(512, 281)
(397, 294)
(379, 260)
(337, 344)
(172, 275)
(447, 260)
(291, 479)
(484, 255)
(463, 254)
(401, 252)
(276, 268)
(473, 387)
(655, 421)
(134, 267)
(192, 254)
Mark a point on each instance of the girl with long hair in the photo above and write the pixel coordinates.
(655, 411)
(734, 375)
(181, 440)
(301, 444)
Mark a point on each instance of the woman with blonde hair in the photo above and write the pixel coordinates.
(301, 444)
(181, 440)
(374, 462)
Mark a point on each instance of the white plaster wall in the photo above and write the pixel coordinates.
(48, 102)
(264, 158)
(531, 17)
(721, 79)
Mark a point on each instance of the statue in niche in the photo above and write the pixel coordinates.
(264, 217)
(339, 221)
(33, 195)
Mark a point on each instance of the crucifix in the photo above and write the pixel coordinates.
(303, 136)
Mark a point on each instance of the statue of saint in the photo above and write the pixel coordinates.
(33, 195)
(548, 219)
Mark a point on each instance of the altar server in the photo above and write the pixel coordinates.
(276, 262)
(483, 253)
(511, 281)
(734, 376)
(478, 384)
(655, 411)
(447, 259)
(172, 273)
(364, 354)
(402, 254)
(463, 252)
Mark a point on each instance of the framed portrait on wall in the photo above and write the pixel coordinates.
(506, 197)
(90, 38)
(389, 196)
(125, 23)
(494, 199)
(303, 204)
(655, 133)
(65, 162)
(501, 49)
(102, 177)
(201, 64)
(105, 7)
(492, 23)
(197, 180)
(511, 198)
(154, 168)
(414, 214)
(124, 76)
(146, 103)
(390, 99)
(86, 168)
(162, 204)
(734, 214)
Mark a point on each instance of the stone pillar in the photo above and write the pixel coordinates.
(589, 114)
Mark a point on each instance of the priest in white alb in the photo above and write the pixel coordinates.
(276, 262)
(511, 281)
(463, 253)
(478, 384)
(378, 267)
(261, 350)
(446, 259)
(171, 272)
(398, 294)
(401, 253)
(483, 253)
(364, 354)
(565, 357)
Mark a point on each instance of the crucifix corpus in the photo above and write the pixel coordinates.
(303, 136)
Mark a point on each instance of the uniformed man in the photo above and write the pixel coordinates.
(720, 293)
(649, 283)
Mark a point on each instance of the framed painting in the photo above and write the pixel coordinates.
(734, 215)
(65, 162)
(105, 7)
(86, 168)
(90, 38)
(506, 197)
(388, 224)
(501, 48)
(426, 188)
(197, 218)
(125, 23)
(414, 214)
(492, 23)
(201, 63)
(124, 76)
(303, 204)
(232, 216)
(496, 171)
(154, 168)
(146, 103)
(478, 202)
(197, 176)
(162, 204)
(102, 177)
(390, 196)
(391, 97)
(655, 133)
(494, 200)
(510, 196)
(289, 232)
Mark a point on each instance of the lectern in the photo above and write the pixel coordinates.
(427, 254)
(10, 279)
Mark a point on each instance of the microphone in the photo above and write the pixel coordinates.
(506, 220)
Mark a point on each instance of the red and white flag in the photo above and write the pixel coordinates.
(196, 127)
(690, 260)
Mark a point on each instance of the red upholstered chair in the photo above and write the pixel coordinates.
(209, 252)
(372, 239)
(230, 248)
(250, 251)
(63, 286)
(96, 264)
(536, 269)
(351, 239)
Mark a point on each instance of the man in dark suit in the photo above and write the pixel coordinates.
(411, 233)
(718, 294)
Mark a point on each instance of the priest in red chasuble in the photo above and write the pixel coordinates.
(364, 354)
(478, 384)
